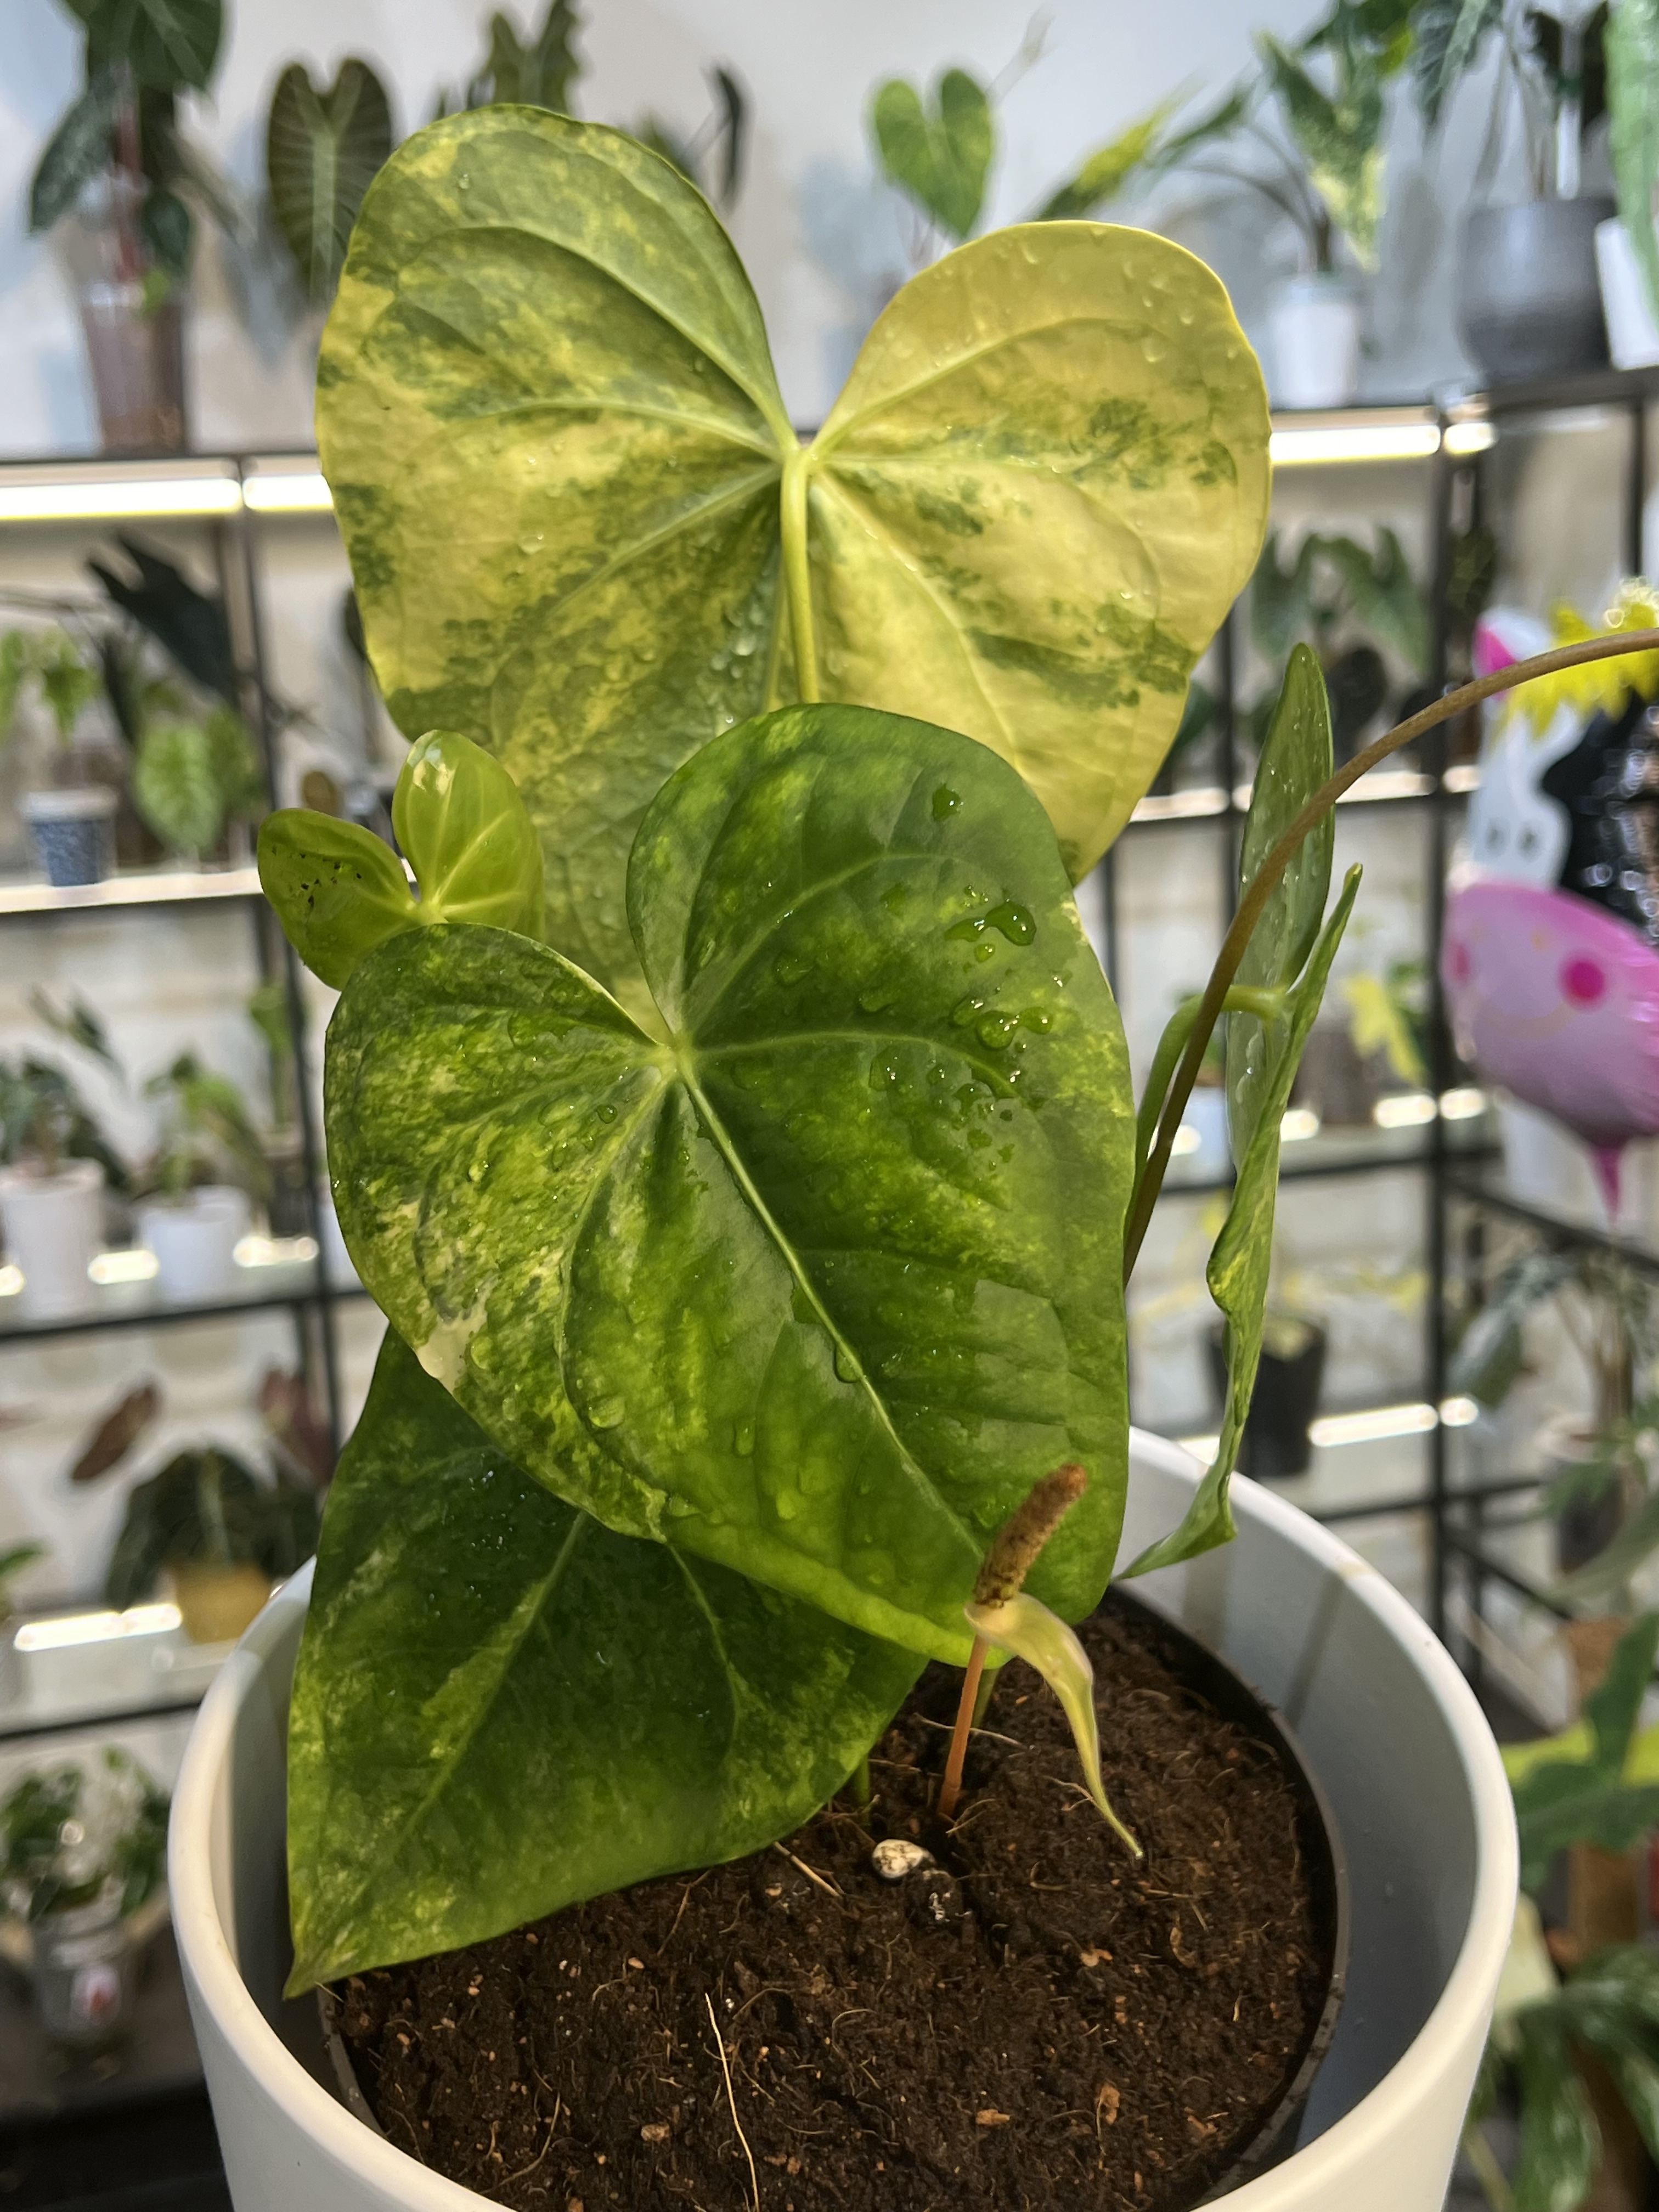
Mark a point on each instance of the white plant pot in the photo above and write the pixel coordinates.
(1633, 333)
(1388, 1723)
(54, 1230)
(1314, 326)
(194, 1239)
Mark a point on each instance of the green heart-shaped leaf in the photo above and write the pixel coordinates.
(459, 816)
(1242, 1261)
(820, 1286)
(557, 450)
(323, 150)
(337, 889)
(501, 1708)
(940, 160)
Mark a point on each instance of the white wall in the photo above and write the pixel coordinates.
(824, 240)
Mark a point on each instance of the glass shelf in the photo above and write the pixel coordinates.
(91, 1667)
(135, 887)
(287, 1273)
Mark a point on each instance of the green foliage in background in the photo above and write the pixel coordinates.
(323, 147)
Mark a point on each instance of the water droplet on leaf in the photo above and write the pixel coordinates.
(946, 802)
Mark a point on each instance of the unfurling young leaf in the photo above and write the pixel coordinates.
(1022, 1625)
(1285, 965)
(339, 891)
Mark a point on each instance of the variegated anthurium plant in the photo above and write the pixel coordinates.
(734, 1122)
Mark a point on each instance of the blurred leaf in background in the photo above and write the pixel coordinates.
(938, 154)
(323, 150)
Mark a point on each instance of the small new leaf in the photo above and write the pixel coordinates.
(339, 891)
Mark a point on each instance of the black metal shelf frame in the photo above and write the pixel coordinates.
(233, 497)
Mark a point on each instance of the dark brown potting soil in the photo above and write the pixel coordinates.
(1031, 2021)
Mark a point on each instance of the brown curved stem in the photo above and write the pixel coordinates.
(1261, 885)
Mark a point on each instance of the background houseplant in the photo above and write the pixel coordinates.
(194, 1194)
(217, 1536)
(69, 818)
(114, 184)
(1305, 131)
(1529, 301)
(54, 1166)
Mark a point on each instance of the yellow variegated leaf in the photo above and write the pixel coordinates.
(1044, 485)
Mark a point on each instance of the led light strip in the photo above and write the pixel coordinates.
(73, 1628)
(31, 496)
(1375, 1426)
(1359, 442)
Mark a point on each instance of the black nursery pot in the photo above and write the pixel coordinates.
(1282, 1409)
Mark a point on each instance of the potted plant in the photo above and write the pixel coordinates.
(70, 818)
(55, 1165)
(82, 1854)
(1528, 302)
(1571, 2052)
(733, 1347)
(217, 1536)
(114, 186)
(193, 1198)
(1320, 127)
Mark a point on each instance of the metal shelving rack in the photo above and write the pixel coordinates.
(229, 498)
(235, 497)
(1452, 438)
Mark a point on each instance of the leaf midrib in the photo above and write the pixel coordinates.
(792, 1259)
(1008, 745)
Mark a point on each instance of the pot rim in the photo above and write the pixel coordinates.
(73, 1174)
(196, 1839)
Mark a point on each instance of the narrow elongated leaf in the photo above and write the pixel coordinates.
(1108, 169)
(1020, 1625)
(556, 446)
(1239, 1265)
(472, 846)
(1636, 2075)
(323, 150)
(1295, 761)
(1449, 34)
(821, 1286)
(1560, 2139)
(1339, 138)
(941, 159)
(1040, 490)
(501, 1708)
(337, 890)
(1632, 44)
(76, 152)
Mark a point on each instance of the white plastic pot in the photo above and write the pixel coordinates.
(194, 1239)
(54, 1231)
(1387, 1721)
(1633, 333)
(1314, 325)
